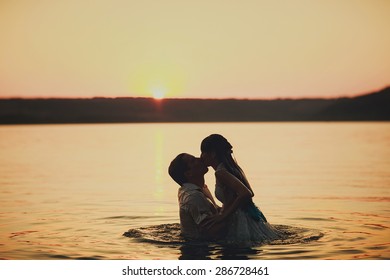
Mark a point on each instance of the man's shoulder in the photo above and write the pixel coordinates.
(192, 198)
(194, 195)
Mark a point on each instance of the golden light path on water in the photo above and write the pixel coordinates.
(160, 169)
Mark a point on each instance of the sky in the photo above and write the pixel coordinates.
(260, 49)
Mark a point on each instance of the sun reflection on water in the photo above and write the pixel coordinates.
(159, 163)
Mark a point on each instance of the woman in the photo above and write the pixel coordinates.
(246, 223)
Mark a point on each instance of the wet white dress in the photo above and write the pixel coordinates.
(245, 227)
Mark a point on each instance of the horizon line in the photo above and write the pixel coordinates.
(193, 98)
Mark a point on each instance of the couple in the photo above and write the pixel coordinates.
(239, 221)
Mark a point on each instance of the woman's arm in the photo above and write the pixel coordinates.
(235, 185)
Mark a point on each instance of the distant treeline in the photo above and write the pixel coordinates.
(369, 107)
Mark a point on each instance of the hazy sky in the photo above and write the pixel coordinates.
(178, 48)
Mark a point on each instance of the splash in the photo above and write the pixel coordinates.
(170, 234)
(165, 233)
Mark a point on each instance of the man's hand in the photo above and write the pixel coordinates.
(214, 226)
(212, 220)
(207, 193)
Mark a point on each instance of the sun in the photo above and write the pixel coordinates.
(158, 93)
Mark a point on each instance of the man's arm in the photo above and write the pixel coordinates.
(207, 193)
(201, 212)
(212, 230)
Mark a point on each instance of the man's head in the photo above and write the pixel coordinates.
(185, 168)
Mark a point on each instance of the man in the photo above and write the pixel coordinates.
(195, 208)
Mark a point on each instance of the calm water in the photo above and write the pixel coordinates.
(71, 191)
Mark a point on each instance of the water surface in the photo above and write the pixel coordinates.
(71, 191)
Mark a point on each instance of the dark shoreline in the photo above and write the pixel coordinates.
(369, 107)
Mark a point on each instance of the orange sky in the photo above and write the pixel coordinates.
(193, 49)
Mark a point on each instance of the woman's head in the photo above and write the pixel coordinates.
(215, 148)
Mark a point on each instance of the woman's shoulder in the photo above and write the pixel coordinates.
(224, 176)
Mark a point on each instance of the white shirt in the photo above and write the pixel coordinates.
(194, 208)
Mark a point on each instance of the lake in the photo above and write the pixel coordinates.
(72, 191)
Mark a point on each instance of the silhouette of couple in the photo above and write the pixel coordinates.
(239, 220)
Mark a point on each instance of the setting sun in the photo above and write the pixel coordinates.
(158, 93)
(158, 80)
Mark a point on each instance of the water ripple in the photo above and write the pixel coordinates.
(126, 217)
(353, 198)
(19, 233)
(376, 226)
